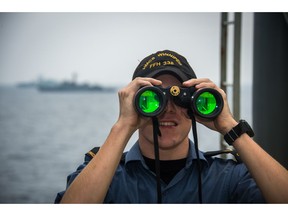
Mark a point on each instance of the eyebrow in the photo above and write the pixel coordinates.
(181, 86)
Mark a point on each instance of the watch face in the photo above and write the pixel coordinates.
(246, 128)
(237, 131)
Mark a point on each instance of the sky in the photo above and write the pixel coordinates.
(105, 47)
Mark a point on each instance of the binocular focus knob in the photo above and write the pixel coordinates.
(174, 91)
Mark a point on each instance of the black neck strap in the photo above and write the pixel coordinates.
(194, 130)
(156, 132)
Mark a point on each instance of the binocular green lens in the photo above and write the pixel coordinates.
(149, 101)
(206, 103)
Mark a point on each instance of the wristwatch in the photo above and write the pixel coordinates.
(237, 131)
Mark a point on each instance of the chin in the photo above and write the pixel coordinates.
(168, 143)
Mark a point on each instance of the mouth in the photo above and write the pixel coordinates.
(168, 124)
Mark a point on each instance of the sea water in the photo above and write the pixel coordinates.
(44, 137)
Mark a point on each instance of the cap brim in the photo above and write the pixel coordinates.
(169, 70)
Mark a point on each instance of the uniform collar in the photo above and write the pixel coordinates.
(134, 154)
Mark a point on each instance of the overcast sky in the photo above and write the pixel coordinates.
(105, 48)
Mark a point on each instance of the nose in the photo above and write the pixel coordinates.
(171, 106)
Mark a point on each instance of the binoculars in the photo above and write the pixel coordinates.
(150, 101)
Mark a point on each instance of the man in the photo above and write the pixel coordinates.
(107, 178)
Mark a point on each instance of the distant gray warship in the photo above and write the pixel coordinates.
(72, 87)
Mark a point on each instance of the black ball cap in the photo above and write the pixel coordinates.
(165, 62)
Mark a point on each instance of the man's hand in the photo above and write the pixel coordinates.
(128, 114)
(225, 121)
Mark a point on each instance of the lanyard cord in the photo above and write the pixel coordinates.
(156, 132)
(194, 130)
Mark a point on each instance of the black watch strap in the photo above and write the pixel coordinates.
(237, 131)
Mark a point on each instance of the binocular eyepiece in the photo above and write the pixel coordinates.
(151, 101)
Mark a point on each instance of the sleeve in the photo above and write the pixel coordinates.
(243, 187)
(70, 178)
